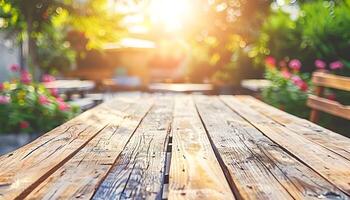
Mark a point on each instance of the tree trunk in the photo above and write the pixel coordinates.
(32, 62)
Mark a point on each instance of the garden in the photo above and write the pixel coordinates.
(220, 42)
(174, 99)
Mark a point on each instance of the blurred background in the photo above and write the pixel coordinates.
(266, 48)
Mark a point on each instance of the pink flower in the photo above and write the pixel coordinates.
(320, 64)
(59, 99)
(43, 100)
(303, 86)
(300, 83)
(296, 79)
(48, 78)
(295, 64)
(15, 68)
(23, 124)
(286, 74)
(1, 86)
(62, 106)
(336, 65)
(54, 92)
(26, 77)
(270, 61)
(4, 99)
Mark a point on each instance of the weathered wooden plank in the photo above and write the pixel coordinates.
(317, 134)
(250, 178)
(329, 106)
(80, 176)
(194, 171)
(22, 170)
(328, 164)
(300, 181)
(138, 171)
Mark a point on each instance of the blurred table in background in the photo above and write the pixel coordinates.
(70, 87)
(255, 85)
(181, 87)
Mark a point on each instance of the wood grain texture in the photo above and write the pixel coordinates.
(80, 176)
(300, 180)
(330, 80)
(222, 147)
(328, 106)
(328, 164)
(194, 171)
(250, 178)
(317, 134)
(22, 170)
(138, 171)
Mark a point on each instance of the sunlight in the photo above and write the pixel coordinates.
(171, 14)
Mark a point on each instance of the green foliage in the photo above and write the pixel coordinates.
(325, 29)
(228, 29)
(319, 32)
(99, 24)
(54, 51)
(280, 36)
(44, 24)
(30, 107)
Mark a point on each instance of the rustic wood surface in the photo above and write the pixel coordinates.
(48, 153)
(181, 147)
(74, 179)
(139, 170)
(292, 174)
(315, 133)
(194, 171)
(328, 164)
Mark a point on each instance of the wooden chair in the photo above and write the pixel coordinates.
(317, 103)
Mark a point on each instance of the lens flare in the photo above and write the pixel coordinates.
(169, 13)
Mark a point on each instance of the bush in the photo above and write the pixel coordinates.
(289, 87)
(319, 32)
(26, 106)
(325, 30)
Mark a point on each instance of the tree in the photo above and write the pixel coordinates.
(42, 26)
(228, 29)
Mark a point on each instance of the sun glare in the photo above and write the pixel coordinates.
(169, 13)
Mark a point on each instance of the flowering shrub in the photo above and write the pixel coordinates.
(289, 87)
(26, 106)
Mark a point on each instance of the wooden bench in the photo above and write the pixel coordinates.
(317, 103)
(181, 147)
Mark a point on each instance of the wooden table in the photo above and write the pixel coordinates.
(181, 87)
(69, 87)
(255, 85)
(181, 147)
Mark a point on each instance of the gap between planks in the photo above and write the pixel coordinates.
(139, 170)
(331, 166)
(264, 164)
(315, 133)
(194, 171)
(79, 177)
(24, 169)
